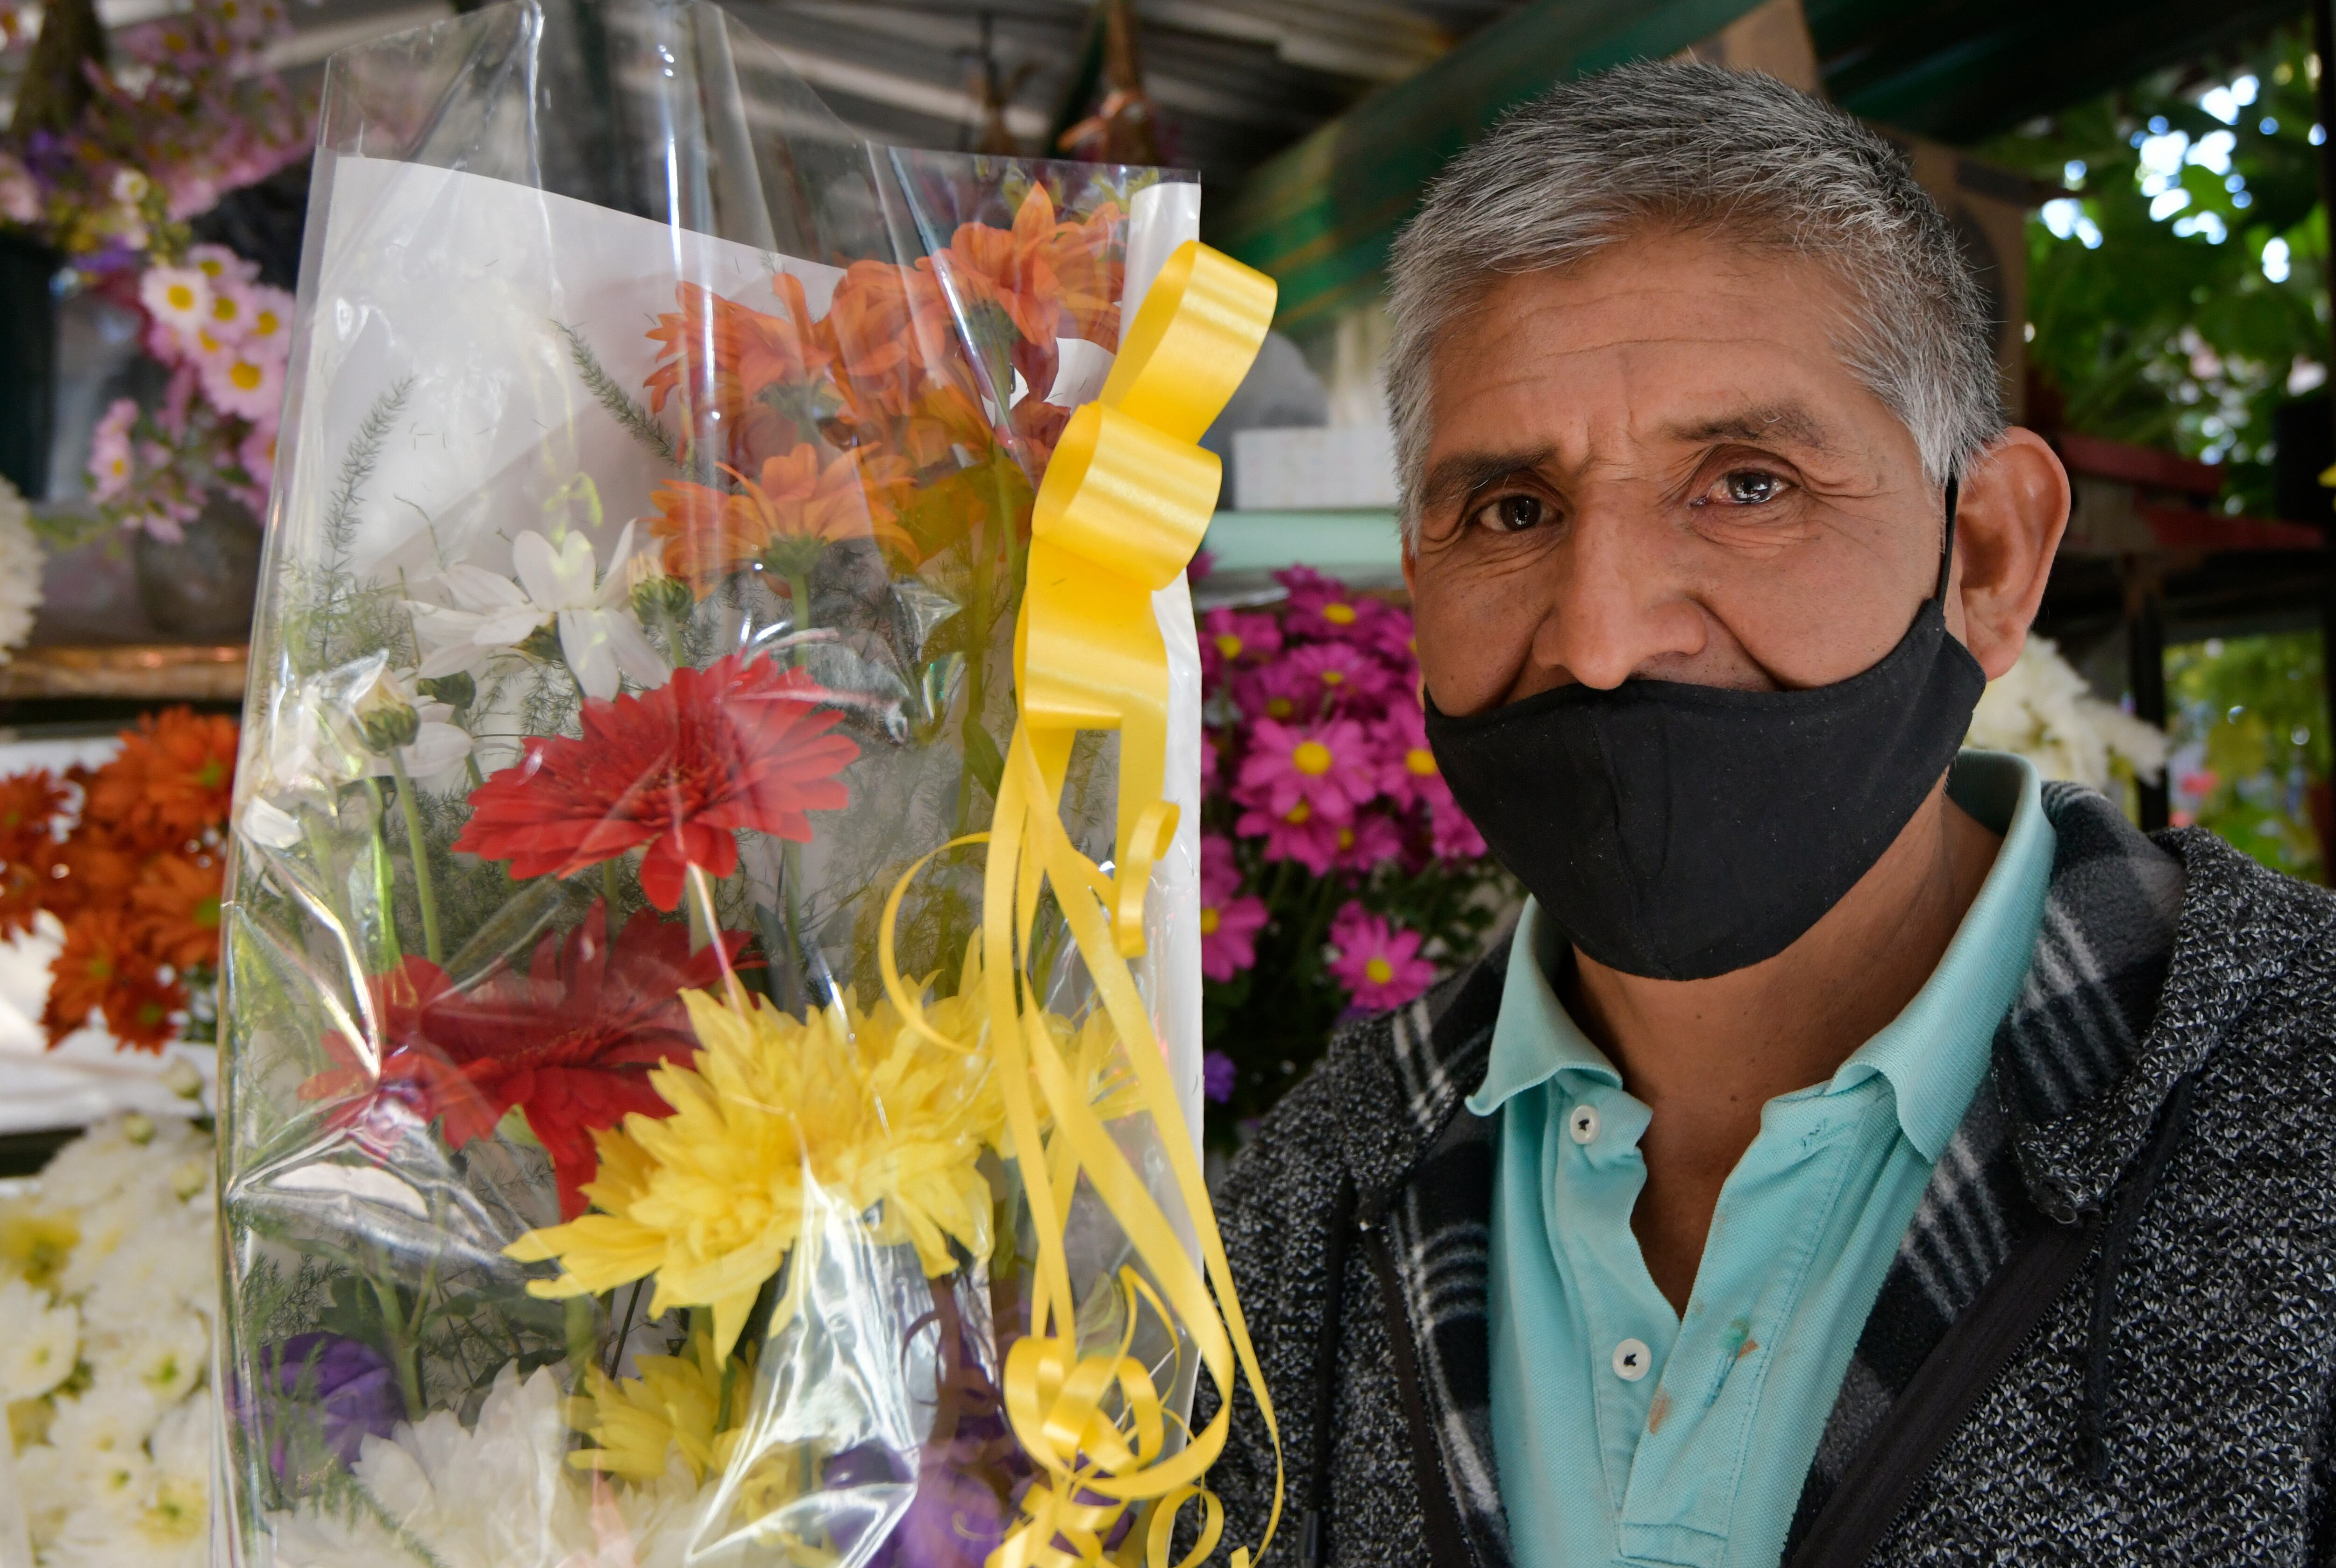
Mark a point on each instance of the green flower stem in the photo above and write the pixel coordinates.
(799, 588)
(419, 852)
(384, 883)
(609, 886)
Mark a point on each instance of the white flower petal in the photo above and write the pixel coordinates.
(590, 655)
(538, 573)
(640, 661)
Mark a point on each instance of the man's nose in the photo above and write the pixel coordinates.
(1614, 603)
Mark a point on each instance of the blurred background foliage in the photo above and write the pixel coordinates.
(2178, 298)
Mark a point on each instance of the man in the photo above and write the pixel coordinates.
(1860, 1154)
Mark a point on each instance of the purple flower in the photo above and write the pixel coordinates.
(1217, 1072)
(336, 1392)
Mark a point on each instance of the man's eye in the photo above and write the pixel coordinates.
(1511, 514)
(1750, 488)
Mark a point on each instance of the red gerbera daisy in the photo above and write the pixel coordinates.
(571, 1042)
(738, 744)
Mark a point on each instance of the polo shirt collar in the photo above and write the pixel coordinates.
(1932, 1054)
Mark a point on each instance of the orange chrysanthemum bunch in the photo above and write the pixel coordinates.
(129, 856)
(808, 428)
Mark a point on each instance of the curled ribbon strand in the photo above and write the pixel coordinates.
(1119, 514)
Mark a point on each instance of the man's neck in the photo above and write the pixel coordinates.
(1706, 1055)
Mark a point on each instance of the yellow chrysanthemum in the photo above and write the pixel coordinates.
(777, 1112)
(677, 1403)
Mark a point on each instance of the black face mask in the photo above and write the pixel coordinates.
(1681, 831)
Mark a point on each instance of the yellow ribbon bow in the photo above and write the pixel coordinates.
(1119, 514)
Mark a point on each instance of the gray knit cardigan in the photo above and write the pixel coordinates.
(2109, 1337)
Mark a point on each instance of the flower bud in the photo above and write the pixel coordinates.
(181, 1078)
(457, 690)
(657, 594)
(387, 716)
(138, 1127)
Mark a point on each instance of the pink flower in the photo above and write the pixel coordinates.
(257, 455)
(1369, 842)
(1233, 637)
(178, 296)
(111, 463)
(1324, 608)
(244, 384)
(1228, 923)
(1328, 767)
(1334, 672)
(1379, 964)
(1275, 692)
(229, 317)
(268, 325)
(1450, 833)
(1300, 835)
(1407, 769)
(217, 262)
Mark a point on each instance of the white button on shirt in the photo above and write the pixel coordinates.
(1631, 1358)
(1583, 1124)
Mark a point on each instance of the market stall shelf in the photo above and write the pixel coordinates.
(138, 671)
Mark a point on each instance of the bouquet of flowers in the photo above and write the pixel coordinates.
(712, 1033)
(1337, 876)
(136, 146)
(223, 336)
(109, 1290)
(129, 858)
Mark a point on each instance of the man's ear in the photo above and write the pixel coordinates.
(2008, 520)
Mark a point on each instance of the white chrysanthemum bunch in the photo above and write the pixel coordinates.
(497, 1493)
(20, 570)
(2042, 709)
(109, 1269)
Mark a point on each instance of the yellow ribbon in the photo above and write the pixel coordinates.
(1119, 514)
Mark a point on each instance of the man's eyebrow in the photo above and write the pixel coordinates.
(1463, 473)
(1787, 421)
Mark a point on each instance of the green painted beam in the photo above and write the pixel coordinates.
(1319, 217)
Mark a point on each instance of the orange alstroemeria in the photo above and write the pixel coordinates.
(710, 535)
(728, 361)
(1053, 279)
(891, 334)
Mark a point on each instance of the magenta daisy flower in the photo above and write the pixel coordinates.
(1407, 769)
(1369, 841)
(1450, 833)
(1229, 922)
(1327, 610)
(1231, 638)
(1334, 675)
(1330, 766)
(1300, 835)
(1379, 964)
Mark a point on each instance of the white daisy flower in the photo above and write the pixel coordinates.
(41, 1343)
(599, 636)
(180, 295)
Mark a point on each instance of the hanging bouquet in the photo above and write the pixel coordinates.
(1337, 876)
(712, 1028)
(125, 150)
(109, 1291)
(129, 856)
(223, 336)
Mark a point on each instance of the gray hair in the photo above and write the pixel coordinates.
(1733, 154)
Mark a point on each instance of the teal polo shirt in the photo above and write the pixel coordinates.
(1624, 1432)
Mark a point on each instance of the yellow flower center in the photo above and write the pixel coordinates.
(1299, 814)
(181, 296)
(265, 323)
(1334, 677)
(1345, 839)
(1208, 922)
(1312, 759)
(1380, 971)
(210, 266)
(245, 375)
(1229, 646)
(223, 307)
(1277, 707)
(1338, 614)
(1419, 763)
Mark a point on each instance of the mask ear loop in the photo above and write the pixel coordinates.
(1947, 541)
